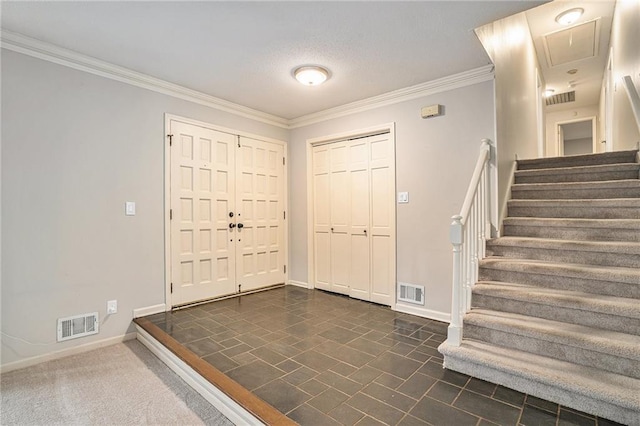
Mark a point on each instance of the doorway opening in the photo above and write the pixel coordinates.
(577, 137)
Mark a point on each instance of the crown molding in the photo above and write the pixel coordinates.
(49, 52)
(443, 84)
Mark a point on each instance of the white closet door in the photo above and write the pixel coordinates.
(383, 219)
(321, 217)
(359, 218)
(339, 201)
(201, 257)
(260, 214)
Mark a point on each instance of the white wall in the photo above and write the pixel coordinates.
(434, 162)
(76, 147)
(508, 42)
(553, 118)
(625, 33)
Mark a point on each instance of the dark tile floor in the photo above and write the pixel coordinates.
(325, 359)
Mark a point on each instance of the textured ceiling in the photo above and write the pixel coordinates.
(245, 52)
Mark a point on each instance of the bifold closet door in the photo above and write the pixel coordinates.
(227, 208)
(354, 218)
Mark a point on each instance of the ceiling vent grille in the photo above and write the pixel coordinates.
(561, 98)
(411, 293)
(77, 326)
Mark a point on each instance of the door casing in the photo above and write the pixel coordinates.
(167, 191)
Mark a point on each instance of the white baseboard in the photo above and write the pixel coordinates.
(149, 310)
(422, 312)
(231, 409)
(28, 362)
(300, 284)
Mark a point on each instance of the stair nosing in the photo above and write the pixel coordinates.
(562, 244)
(577, 169)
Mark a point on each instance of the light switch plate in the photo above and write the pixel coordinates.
(403, 197)
(130, 208)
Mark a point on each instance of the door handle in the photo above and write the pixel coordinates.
(240, 226)
(365, 232)
(232, 225)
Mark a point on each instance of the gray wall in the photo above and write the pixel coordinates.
(76, 147)
(434, 161)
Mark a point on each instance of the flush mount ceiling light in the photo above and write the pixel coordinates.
(548, 92)
(311, 75)
(570, 16)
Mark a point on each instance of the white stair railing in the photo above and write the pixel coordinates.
(468, 233)
(634, 98)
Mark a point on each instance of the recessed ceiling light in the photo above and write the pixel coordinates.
(311, 75)
(570, 16)
(548, 92)
(572, 71)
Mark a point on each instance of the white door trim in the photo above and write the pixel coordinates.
(167, 192)
(594, 134)
(368, 131)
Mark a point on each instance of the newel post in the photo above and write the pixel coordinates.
(454, 332)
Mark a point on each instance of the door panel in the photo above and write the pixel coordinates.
(199, 190)
(260, 240)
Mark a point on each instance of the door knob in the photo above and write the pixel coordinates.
(240, 226)
(230, 214)
(232, 225)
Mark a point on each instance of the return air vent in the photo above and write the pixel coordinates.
(411, 293)
(77, 326)
(561, 98)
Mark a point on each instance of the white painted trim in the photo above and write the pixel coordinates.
(451, 82)
(422, 312)
(227, 406)
(58, 55)
(387, 127)
(167, 190)
(505, 203)
(149, 310)
(28, 362)
(300, 284)
(61, 56)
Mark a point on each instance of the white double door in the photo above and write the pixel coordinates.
(354, 218)
(227, 213)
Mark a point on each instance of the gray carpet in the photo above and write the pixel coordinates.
(556, 310)
(122, 384)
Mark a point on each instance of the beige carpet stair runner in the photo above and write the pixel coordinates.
(556, 310)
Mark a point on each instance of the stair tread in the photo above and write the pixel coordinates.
(573, 222)
(621, 183)
(626, 247)
(584, 159)
(619, 274)
(598, 168)
(580, 379)
(590, 338)
(614, 305)
(573, 202)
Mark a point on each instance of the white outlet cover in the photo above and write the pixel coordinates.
(403, 197)
(112, 307)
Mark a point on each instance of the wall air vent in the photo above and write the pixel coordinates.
(411, 293)
(561, 98)
(77, 326)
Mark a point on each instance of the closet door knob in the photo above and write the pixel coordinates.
(232, 225)
(240, 226)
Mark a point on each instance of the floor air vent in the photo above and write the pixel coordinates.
(77, 326)
(411, 293)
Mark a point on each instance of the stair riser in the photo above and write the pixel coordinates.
(577, 213)
(583, 356)
(573, 233)
(552, 163)
(601, 258)
(606, 288)
(574, 194)
(578, 177)
(558, 313)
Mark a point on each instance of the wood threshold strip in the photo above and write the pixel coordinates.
(256, 406)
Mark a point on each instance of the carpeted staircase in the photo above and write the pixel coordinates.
(556, 310)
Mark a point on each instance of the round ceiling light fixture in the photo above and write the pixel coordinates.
(311, 75)
(570, 16)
